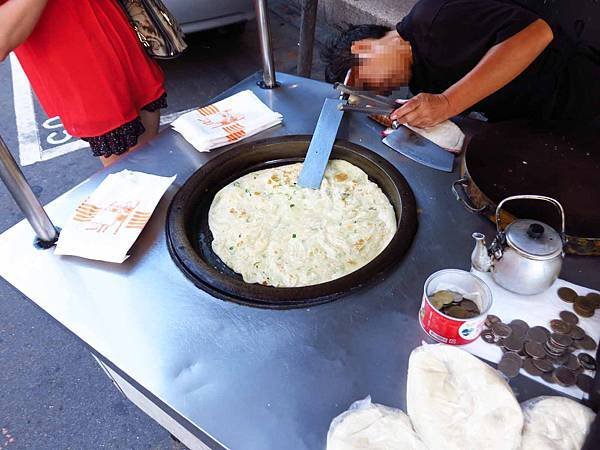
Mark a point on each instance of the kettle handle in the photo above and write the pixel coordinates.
(532, 197)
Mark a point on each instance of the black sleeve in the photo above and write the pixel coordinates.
(493, 20)
(450, 37)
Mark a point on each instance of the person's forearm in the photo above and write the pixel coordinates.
(500, 65)
(17, 20)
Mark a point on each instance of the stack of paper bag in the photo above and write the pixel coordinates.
(230, 120)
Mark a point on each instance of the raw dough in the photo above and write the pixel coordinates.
(456, 401)
(445, 134)
(368, 426)
(555, 423)
(273, 232)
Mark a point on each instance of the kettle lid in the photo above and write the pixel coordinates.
(534, 239)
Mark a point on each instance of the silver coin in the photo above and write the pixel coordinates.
(538, 334)
(548, 377)
(508, 366)
(488, 336)
(491, 319)
(558, 326)
(586, 343)
(553, 351)
(543, 364)
(501, 330)
(519, 327)
(572, 362)
(469, 305)
(567, 294)
(569, 317)
(577, 333)
(513, 343)
(564, 376)
(530, 368)
(534, 349)
(514, 356)
(587, 361)
(561, 360)
(560, 340)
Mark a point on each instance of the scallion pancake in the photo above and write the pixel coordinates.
(275, 233)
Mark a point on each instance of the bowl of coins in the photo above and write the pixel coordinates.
(454, 306)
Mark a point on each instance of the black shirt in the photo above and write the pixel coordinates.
(449, 38)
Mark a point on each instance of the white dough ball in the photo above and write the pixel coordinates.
(555, 423)
(368, 426)
(457, 402)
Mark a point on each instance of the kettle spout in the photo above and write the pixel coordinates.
(480, 259)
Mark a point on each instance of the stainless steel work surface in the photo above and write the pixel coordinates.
(252, 378)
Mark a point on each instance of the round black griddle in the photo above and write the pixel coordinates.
(189, 237)
(559, 161)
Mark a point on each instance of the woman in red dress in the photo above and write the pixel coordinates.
(86, 66)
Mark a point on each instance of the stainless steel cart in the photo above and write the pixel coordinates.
(220, 375)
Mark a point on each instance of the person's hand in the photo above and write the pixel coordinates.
(423, 110)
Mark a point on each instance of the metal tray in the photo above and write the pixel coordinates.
(557, 160)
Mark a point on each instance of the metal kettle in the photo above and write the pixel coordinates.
(527, 256)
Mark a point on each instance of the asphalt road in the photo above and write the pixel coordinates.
(52, 393)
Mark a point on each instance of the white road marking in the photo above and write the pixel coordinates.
(27, 130)
(63, 149)
(54, 138)
(30, 148)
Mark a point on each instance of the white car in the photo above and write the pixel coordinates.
(198, 15)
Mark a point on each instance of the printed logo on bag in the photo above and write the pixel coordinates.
(112, 217)
(228, 120)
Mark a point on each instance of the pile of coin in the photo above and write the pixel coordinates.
(454, 305)
(542, 352)
(585, 306)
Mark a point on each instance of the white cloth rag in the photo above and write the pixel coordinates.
(537, 309)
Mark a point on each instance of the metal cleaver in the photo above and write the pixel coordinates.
(419, 149)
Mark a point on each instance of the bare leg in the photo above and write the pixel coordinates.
(151, 121)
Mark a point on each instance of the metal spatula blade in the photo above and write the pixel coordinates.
(321, 144)
(420, 149)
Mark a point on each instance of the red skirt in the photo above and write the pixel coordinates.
(86, 65)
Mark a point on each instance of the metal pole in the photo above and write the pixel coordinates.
(307, 37)
(266, 51)
(17, 185)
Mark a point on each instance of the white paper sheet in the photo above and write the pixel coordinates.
(535, 310)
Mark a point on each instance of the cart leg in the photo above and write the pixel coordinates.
(34, 212)
(307, 37)
(266, 50)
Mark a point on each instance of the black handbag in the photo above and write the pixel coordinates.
(156, 28)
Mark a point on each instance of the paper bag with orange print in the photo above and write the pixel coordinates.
(105, 226)
(227, 121)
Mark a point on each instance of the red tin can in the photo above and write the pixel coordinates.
(450, 330)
